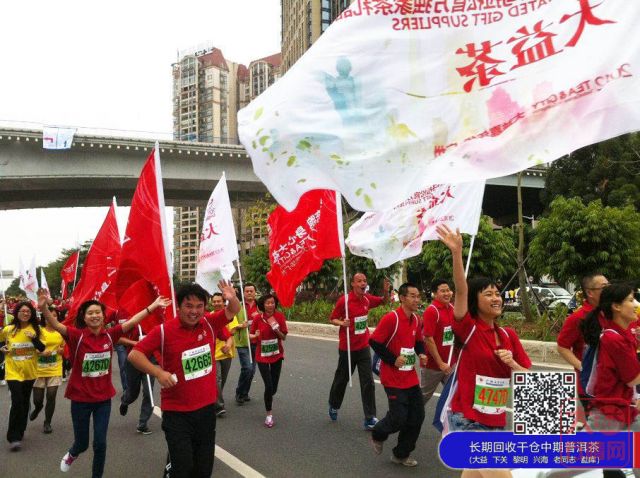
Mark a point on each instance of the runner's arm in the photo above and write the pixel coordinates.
(385, 354)
(453, 240)
(136, 319)
(229, 294)
(433, 351)
(570, 357)
(142, 363)
(42, 305)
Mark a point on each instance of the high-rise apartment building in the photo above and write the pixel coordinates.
(208, 92)
(303, 21)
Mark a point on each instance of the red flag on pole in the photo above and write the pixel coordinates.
(99, 268)
(145, 251)
(68, 273)
(301, 240)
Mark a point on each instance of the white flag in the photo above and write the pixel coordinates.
(396, 234)
(43, 282)
(57, 138)
(29, 281)
(398, 95)
(218, 246)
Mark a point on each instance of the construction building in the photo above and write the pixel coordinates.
(208, 92)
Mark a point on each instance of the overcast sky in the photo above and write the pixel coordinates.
(106, 65)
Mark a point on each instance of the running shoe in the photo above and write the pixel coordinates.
(15, 446)
(124, 408)
(246, 398)
(3, 382)
(333, 413)
(376, 445)
(221, 412)
(66, 462)
(408, 461)
(239, 400)
(269, 421)
(144, 430)
(369, 423)
(47, 428)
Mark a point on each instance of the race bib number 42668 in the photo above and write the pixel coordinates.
(197, 362)
(96, 364)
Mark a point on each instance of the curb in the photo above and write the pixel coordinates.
(539, 352)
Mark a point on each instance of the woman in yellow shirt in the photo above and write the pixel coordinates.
(49, 372)
(22, 341)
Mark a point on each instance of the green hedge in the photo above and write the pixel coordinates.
(319, 311)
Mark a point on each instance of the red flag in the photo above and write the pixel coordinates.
(68, 272)
(301, 240)
(99, 268)
(145, 253)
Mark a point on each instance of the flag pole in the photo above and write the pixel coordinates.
(244, 308)
(466, 273)
(153, 405)
(344, 280)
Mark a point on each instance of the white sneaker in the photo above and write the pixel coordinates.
(66, 462)
(3, 382)
(269, 421)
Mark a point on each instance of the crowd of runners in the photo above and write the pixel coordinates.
(458, 335)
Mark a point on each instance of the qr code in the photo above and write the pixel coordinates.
(544, 403)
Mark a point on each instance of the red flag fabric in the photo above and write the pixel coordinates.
(301, 240)
(99, 268)
(68, 273)
(144, 265)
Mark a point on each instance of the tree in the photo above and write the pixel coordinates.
(609, 171)
(375, 277)
(494, 256)
(577, 239)
(255, 267)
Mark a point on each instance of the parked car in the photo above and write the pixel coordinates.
(547, 296)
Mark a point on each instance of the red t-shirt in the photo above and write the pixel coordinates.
(358, 315)
(90, 379)
(483, 379)
(403, 342)
(570, 336)
(189, 353)
(436, 318)
(617, 366)
(269, 349)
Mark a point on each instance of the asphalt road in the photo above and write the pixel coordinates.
(303, 443)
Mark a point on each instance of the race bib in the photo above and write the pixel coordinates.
(491, 395)
(197, 362)
(48, 361)
(447, 336)
(410, 359)
(360, 325)
(269, 348)
(96, 364)
(22, 351)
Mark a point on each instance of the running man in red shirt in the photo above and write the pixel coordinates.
(90, 387)
(438, 335)
(398, 340)
(187, 375)
(359, 305)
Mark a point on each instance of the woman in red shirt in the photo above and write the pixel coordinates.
(90, 388)
(617, 367)
(270, 329)
(489, 355)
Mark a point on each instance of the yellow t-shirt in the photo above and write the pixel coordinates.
(20, 362)
(51, 365)
(220, 343)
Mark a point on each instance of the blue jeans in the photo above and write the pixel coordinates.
(247, 370)
(458, 423)
(80, 415)
(121, 351)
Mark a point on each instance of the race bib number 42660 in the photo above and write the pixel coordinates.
(96, 364)
(197, 362)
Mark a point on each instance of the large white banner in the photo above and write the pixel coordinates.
(218, 246)
(396, 234)
(400, 94)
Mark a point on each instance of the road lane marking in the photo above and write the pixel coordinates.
(236, 464)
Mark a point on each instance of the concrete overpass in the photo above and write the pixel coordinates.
(99, 167)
